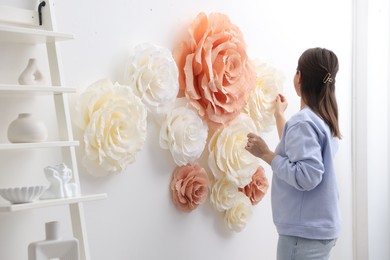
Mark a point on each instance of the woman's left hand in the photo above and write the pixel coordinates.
(257, 146)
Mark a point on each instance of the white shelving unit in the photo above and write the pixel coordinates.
(22, 26)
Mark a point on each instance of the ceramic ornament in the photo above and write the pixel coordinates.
(26, 129)
(31, 74)
(53, 247)
(60, 187)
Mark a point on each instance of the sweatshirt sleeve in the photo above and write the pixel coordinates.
(302, 165)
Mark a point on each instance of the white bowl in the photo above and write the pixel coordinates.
(22, 194)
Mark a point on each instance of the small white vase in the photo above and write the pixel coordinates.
(54, 247)
(26, 129)
(31, 74)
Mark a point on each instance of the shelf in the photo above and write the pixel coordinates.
(50, 203)
(32, 90)
(30, 35)
(18, 146)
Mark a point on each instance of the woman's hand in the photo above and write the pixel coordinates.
(280, 107)
(257, 146)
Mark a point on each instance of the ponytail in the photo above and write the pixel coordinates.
(318, 69)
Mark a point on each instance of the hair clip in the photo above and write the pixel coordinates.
(328, 78)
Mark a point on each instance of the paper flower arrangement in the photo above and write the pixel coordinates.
(205, 93)
(234, 171)
(215, 73)
(234, 96)
(152, 74)
(113, 121)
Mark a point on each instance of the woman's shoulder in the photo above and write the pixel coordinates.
(308, 118)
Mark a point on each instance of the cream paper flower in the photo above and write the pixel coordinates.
(183, 133)
(227, 155)
(114, 124)
(239, 215)
(261, 104)
(223, 194)
(153, 75)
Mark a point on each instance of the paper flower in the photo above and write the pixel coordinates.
(184, 133)
(223, 194)
(227, 155)
(189, 186)
(114, 123)
(215, 73)
(239, 215)
(257, 188)
(261, 104)
(152, 74)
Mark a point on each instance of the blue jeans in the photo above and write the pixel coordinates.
(297, 248)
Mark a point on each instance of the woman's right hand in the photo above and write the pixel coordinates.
(280, 105)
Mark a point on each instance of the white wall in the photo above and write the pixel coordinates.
(377, 130)
(138, 220)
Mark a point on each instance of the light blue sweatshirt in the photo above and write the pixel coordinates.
(304, 190)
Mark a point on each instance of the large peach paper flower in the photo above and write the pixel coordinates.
(261, 103)
(152, 74)
(228, 156)
(215, 73)
(184, 133)
(189, 186)
(257, 188)
(114, 123)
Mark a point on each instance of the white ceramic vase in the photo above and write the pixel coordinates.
(54, 247)
(31, 74)
(27, 129)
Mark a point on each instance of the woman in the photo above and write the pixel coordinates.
(304, 190)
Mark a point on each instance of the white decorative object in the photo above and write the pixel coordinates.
(54, 247)
(22, 194)
(239, 214)
(31, 74)
(184, 133)
(227, 155)
(59, 177)
(153, 75)
(27, 129)
(261, 103)
(113, 120)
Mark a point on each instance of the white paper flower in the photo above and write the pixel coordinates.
(228, 157)
(239, 215)
(223, 194)
(261, 104)
(153, 75)
(184, 133)
(114, 124)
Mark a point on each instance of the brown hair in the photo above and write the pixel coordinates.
(318, 67)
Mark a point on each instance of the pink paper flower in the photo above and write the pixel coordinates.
(215, 73)
(189, 187)
(257, 188)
